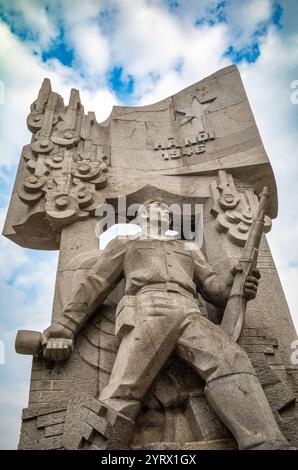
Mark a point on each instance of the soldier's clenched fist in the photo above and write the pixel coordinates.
(57, 342)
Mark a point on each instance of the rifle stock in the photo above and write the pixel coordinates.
(234, 314)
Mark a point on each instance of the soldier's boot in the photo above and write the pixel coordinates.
(240, 402)
(108, 425)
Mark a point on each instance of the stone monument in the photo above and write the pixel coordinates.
(153, 343)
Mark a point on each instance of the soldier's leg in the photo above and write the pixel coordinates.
(232, 388)
(143, 351)
(138, 361)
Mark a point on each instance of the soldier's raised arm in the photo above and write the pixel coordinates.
(86, 296)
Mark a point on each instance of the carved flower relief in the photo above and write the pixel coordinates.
(60, 206)
(68, 193)
(234, 211)
(66, 185)
(55, 162)
(228, 200)
(42, 145)
(90, 171)
(34, 121)
(65, 204)
(61, 136)
(236, 221)
(65, 194)
(28, 155)
(65, 138)
(32, 190)
(84, 197)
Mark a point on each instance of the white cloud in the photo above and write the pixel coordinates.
(246, 17)
(99, 101)
(9, 251)
(21, 274)
(200, 53)
(150, 41)
(76, 11)
(9, 426)
(32, 19)
(14, 392)
(15, 399)
(91, 48)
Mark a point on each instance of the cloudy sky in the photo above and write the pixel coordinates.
(135, 52)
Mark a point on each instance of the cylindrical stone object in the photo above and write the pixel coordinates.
(28, 342)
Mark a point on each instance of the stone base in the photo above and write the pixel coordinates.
(218, 444)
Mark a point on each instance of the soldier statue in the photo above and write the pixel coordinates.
(159, 316)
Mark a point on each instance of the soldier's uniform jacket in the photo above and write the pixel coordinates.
(173, 265)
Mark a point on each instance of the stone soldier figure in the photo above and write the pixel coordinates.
(158, 316)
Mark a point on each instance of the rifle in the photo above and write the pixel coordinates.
(234, 314)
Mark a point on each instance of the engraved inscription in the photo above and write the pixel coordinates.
(194, 145)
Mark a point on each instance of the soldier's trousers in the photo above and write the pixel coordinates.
(155, 324)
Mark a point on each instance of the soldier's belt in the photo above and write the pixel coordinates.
(166, 287)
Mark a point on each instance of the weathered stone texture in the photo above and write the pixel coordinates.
(200, 146)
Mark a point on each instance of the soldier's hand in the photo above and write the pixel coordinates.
(230, 279)
(251, 284)
(57, 342)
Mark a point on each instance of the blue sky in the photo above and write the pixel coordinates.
(135, 52)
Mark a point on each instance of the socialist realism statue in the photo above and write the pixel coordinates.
(159, 316)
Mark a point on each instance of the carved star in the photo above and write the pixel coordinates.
(196, 110)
